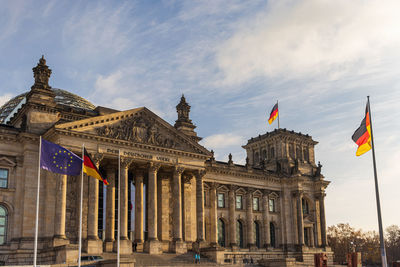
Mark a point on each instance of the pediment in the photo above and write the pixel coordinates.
(138, 126)
(4, 161)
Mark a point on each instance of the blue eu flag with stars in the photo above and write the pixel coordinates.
(58, 159)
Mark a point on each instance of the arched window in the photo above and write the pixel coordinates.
(304, 204)
(305, 154)
(256, 158)
(256, 229)
(272, 234)
(272, 153)
(3, 225)
(264, 154)
(221, 233)
(298, 153)
(239, 234)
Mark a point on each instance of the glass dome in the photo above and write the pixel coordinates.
(62, 97)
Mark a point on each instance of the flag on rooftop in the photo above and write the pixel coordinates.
(58, 159)
(274, 113)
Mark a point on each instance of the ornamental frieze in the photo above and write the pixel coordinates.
(137, 129)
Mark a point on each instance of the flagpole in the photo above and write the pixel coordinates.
(278, 112)
(119, 203)
(80, 211)
(37, 206)
(378, 204)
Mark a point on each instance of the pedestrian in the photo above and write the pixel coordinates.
(198, 257)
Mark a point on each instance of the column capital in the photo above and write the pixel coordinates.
(214, 185)
(200, 173)
(298, 193)
(320, 195)
(97, 158)
(178, 170)
(233, 188)
(154, 167)
(126, 162)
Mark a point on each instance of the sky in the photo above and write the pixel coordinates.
(233, 60)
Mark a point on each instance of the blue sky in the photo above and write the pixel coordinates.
(232, 60)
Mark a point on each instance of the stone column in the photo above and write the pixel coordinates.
(93, 244)
(232, 217)
(125, 246)
(139, 209)
(300, 223)
(311, 234)
(213, 215)
(110, 210)
(60, 211)
(200, 205)
(322, 214)
(178, 246)
(249, 213)
(267, 238)
(152, 245)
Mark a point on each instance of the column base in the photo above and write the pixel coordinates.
(93, 246)
(152, 246)
(138, 245)
(178, 247)
(234, 247)
(59, 240)
(252, 247)
(125, 246)
(108, 245)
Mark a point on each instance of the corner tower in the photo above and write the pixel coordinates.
(283, 151)
(183, 123)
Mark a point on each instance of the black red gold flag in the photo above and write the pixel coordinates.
(362, 136)
(90, 168)
(274, 113)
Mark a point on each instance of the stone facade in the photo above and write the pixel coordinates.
(174, 196)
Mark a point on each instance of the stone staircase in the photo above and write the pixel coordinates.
(169, 259)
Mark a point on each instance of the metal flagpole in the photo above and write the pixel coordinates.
(119, 203)
(378, 204)
(37, 207)
(278, 112)
(80, 212)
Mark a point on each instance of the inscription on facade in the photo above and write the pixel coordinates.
(138, 155)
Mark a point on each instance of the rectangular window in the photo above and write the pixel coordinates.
(271, 204)
(221, 200)
(239, 202)
(256, 201)
(3, 178)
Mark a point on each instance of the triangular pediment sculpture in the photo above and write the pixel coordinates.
(138, 126)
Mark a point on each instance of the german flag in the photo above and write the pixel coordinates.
(274, 113)
(362, 136)
(90, 168)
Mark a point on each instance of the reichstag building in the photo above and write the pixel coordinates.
(175, 197)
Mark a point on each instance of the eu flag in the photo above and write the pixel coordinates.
(58, 159)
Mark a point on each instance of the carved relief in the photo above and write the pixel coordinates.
(137, 129)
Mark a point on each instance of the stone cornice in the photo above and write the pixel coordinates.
(244, 173)
(123, 143)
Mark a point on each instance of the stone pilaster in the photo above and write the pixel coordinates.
(93, 244)
(232, 217)
(152, 245)
(265, 215)
(300, 222)
(200, 205)
(249, 220)
(178, 246)
(139, 209)
(59, 238)
(110, 210)
(125, 246)
(321, 197)
(213, 215)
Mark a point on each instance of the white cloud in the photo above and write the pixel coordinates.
(294, 38)
(220, 141)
